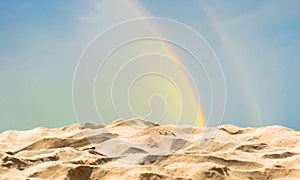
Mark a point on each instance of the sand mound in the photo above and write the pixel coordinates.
(138, 149)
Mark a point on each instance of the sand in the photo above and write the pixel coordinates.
(138, 149)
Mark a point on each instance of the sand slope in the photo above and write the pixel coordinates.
(138, 149)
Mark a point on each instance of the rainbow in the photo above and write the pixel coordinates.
(239, 74)
(141, 12)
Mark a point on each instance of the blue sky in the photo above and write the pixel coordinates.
(257, 43)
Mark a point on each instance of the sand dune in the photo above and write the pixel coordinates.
(138, 149)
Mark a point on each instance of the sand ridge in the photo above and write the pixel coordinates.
(139, 149)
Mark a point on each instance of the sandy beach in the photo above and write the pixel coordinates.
(139, 149)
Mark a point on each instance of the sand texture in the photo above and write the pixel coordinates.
(138, 149)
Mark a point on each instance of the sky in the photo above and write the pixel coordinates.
(257, 44)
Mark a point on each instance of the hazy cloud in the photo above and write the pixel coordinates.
(109, 12)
